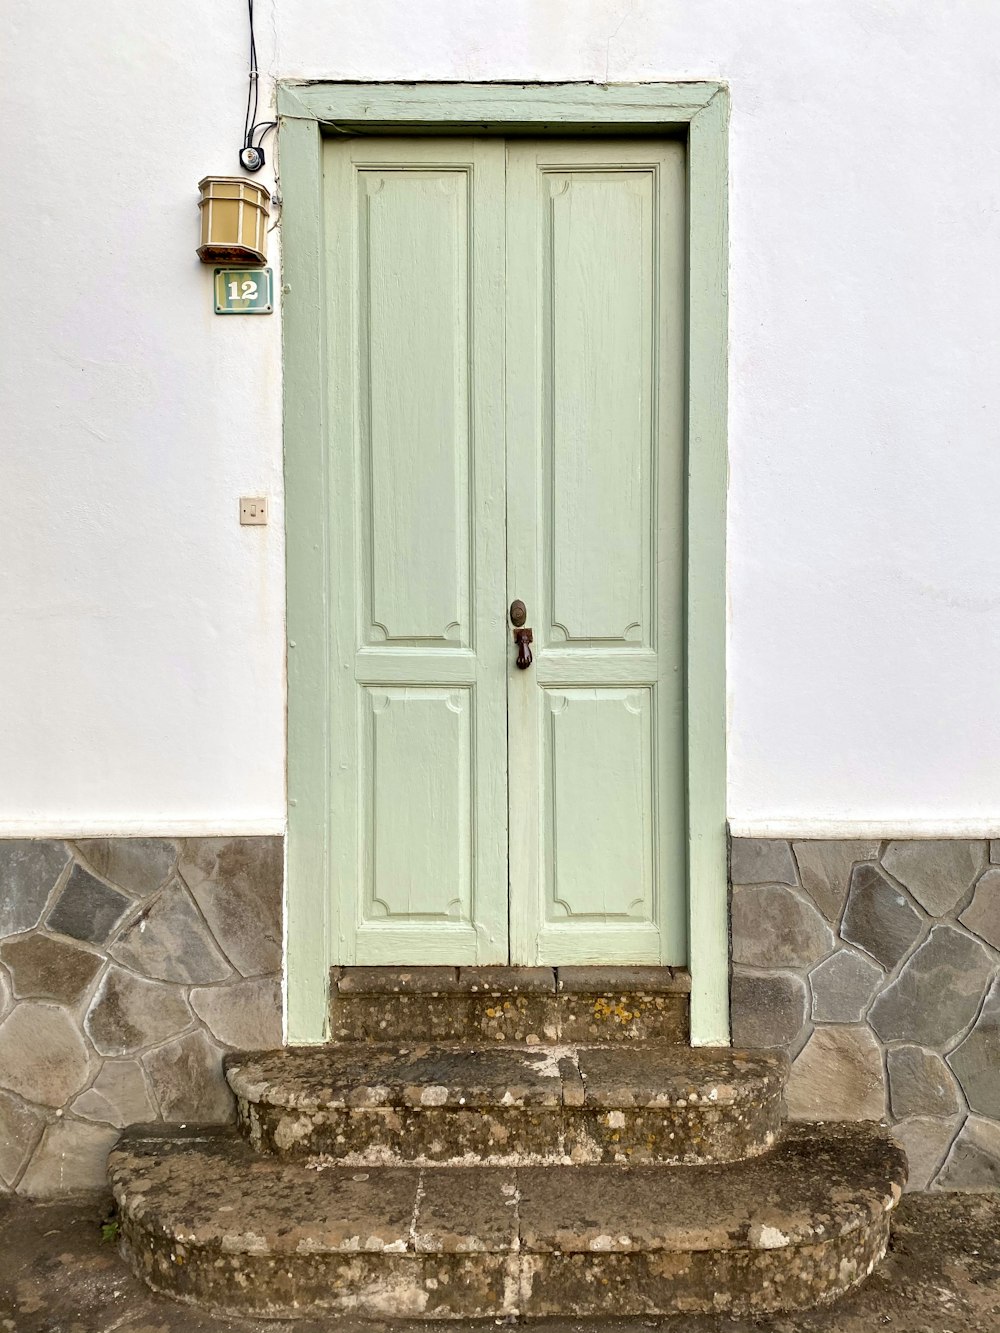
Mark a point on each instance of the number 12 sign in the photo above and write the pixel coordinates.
(243, 291)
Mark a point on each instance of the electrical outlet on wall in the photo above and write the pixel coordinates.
(253, 509)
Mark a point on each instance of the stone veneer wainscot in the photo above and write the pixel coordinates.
(128, 967)
(876, 966)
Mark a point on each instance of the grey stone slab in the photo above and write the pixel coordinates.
(995, 851)
(507, 980)
(88, 909)
(843, 986)
(817, 1182)
(129, 1013)
(837, 1076)
(118, 1096)
(398, 980)
(42, 967)
(6, 992)
(768, 1009)
(169, 941)
(622, 980)
(211, 1190)
(138, 865)
(237, 883)
(983, 914)
(20, 1129)
(974, 1161)
(878, 917)
(825, 870)
(939, 873)
(511, 1105)
(242, 1014)
(926, 1143)
(773, 927)
(29, 869)
(976, 1060)
(449, 1217)
(619, 1076)
(188, 1082)
(358, 1075)
(920, 1083)
(43, 1057)
(762, 861)
(937, 993)
(72, 1157)
(268, 1236)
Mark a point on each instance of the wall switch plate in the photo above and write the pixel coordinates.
(253, 509)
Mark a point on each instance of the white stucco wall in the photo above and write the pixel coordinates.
(141, 645)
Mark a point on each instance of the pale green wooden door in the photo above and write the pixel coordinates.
(595, 487)
(506, 344)
(418, 662)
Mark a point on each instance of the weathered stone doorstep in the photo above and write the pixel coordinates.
(509, 1004)
(510, 1104)
(205, 1219)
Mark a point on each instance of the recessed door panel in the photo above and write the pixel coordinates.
(597, 803)
(598, 381)
(414, 395)
(417, 806)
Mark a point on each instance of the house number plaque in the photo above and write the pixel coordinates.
(243, 291)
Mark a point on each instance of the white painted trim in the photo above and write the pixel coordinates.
(803, 829)
(141, 828)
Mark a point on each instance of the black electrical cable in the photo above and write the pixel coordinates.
(252, 152)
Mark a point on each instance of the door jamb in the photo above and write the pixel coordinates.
(307, 112)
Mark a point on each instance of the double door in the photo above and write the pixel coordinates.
(505, 343)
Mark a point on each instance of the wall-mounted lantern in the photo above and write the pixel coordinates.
(234, 215)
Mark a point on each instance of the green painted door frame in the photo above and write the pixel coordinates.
(307, 112)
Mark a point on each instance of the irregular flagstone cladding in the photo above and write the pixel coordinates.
(825, 870)
(977, 1060)
(879, 917)
(838, 1076)
(938, 991)
(772, 926)
(920, 1083)
(926, 1141)
(974, 1160)
(123, 966)
(983, 914)
(169, 940)
(938, 874)
(29, 868)
(896, 946)
(45, 968)
(768, 1009)
(843, 986)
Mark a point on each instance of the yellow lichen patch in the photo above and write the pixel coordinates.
(606, 1010)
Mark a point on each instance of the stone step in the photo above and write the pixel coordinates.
(509, 1004)
(368, 1104)
(204, 1219)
